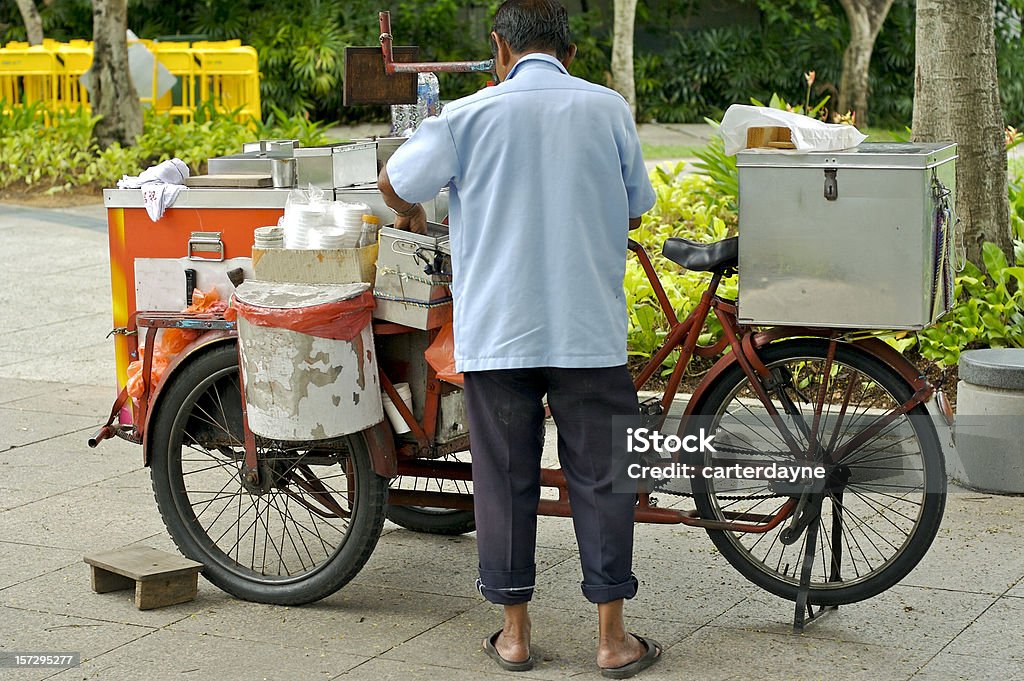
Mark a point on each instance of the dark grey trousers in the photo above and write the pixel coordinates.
(506, 421)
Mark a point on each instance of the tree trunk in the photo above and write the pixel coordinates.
(622, 51)
(956, 98)
(865, 18)
(113, 96)
(33, 22)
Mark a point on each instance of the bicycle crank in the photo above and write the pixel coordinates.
(808, 510)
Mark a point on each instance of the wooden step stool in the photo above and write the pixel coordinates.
(159, 578)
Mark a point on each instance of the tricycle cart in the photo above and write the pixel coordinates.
(291, 522)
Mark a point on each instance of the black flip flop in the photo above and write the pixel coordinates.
(626, 671)
(492, 652)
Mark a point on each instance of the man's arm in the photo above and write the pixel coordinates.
(408, 216)
(634, 223)
(417, 170)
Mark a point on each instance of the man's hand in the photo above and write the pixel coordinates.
(415, 222)
(408, 216)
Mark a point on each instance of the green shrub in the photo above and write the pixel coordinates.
(687, 206)
(66, 156)
(989, 312)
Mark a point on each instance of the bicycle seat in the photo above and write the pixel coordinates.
(699, 257)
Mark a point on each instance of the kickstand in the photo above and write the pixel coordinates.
(805, 612)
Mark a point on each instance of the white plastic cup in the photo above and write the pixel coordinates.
(397, 422)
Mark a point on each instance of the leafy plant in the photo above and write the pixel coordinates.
(989, 311)
(686, 206)
(67, 157)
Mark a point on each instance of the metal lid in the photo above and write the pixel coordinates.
(993, 368)
(867, 155)
(435, 238)
(281, 296)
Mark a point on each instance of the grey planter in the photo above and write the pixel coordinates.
(989, 426)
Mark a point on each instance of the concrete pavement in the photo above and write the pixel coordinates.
(412, 613)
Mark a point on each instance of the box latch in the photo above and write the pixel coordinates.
(831, 184)
(206, 246)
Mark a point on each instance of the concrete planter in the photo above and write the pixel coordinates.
(989, 427)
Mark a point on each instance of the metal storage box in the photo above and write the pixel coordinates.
(861, 238)
(336, 166)
(404, 292)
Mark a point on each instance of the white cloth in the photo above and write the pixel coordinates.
(158, 197)
(160, 185)
(808, 134)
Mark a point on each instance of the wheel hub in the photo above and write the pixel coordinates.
(269, 473)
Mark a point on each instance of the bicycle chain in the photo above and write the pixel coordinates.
(691, 495)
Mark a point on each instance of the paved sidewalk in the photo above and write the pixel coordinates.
(412, 613)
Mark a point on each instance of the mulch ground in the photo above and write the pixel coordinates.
(79, 196)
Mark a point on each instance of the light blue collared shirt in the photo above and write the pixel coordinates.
(544, 170)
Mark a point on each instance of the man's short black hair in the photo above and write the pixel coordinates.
(529, 25)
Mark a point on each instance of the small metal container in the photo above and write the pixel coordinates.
(337, 166)
(273, 148)
(861, 238)
(282, 172)
(405, 293)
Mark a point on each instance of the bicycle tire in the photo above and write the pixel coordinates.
(200, 413)
(428, 520)
(865, 516)
(431, 520)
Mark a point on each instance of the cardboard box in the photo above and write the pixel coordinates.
(317, 266)
(770, 138)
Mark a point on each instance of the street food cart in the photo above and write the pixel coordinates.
(281, 515)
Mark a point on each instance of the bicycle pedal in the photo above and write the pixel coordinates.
(651, 412)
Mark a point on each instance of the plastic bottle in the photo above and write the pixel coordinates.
(368, 236)
(401, 115)
(428, 96)
(405, 118)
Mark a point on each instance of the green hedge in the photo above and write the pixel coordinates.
(66, 156)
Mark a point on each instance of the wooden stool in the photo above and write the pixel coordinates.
(159, 578)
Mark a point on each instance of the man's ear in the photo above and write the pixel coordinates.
(569, 56)
(502, 51)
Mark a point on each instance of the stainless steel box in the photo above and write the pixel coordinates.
(436, 209)
(405, 293)
(336, 165)
(861, 238)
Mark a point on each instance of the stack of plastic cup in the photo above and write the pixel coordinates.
(347, 219)
(334, 238)
(304, 222)
(270, 236)
(394, 416)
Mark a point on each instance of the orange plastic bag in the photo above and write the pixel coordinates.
(342, 320)
(441, 355)
(170, 343)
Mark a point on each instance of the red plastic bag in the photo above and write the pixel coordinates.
(170, 343)
(342, 320)
(441, 355)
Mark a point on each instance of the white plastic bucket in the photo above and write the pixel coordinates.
(397, 422)
(301, 387)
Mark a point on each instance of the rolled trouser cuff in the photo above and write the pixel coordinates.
(607, 593)
(507, 587)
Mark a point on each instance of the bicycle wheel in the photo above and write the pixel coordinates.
(299, 536)
(881, 502)
(429, 520)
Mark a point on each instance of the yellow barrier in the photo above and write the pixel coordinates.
(224, 74)
(29, 75)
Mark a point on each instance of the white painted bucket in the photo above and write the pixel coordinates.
(300, 386)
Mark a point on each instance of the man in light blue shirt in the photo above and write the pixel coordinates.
(546, 178)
